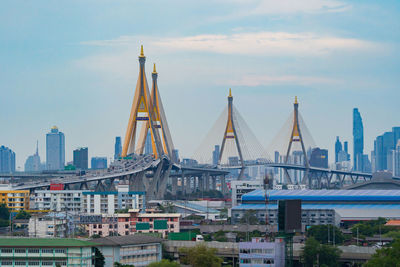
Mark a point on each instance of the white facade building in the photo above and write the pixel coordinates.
(242, 187)
(108, 202)
(70, 201)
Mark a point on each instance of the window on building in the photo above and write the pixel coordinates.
(47, 250)
(100, 233)
(33, 263)
(20, 263)
(60, 250)
(126, 226)
(33, 250)
(47, 263)
(313, 215)
(6, 263)
(6, 250)
(20, 250)
(126, 232)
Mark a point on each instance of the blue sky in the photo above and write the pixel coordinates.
(74, 64)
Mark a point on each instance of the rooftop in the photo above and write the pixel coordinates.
(324, 195)
(44, 242)
(135, 239)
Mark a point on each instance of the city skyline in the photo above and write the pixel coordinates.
(68, 79)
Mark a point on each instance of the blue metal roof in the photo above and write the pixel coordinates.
(196, 207)
(324, 195)
(320, 206)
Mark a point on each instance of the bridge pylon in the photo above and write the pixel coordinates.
(148, 111)
(296, 136)
(231, 133)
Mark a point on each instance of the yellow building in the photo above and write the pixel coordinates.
(15, 200)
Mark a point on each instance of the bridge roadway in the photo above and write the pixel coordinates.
(144, 164)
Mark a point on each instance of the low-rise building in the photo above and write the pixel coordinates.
(108, 202)
(137, 250)
(70, 201)
(50, 225)
(15, 200)
(260, 253)
(45, 252)
(162, 223)
(240, 188)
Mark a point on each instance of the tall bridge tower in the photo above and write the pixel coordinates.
(296, 136)
(147, 110)
(231, 133)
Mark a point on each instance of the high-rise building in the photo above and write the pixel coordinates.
(7, 160)
(358, 139)
(346, 149)
(81, 158)
(175, 155)
(319, 158)
(32, 163)
(117, 147)
(99, 163)
(384, 150)
(148, 147)
(396, 159)
(338, 148)
(215, 155)
(55, 149)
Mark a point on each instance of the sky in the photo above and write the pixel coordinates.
(74, 64)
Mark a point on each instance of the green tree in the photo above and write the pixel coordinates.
(201, 256)
(4, 212)
(315, 253)
(249, 217)
(386, 257)
(164, 263)
(99, 260)
(117, 264)
(223, 213)
(320, 233)
(23, 215)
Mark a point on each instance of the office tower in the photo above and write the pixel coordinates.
(99, 163)
(55, 149)
(175, 155)
(7, 160)
(396, 160)
(117, 147)
(148, 147)
(81, 158)
(346, 149)
(32, 163)
(358, 139)
(215, 155)
(319, 158)
(338, 148)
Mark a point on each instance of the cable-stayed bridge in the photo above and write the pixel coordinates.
(230, 144)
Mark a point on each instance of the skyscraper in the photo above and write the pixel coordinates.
(215, 155)
(99, 163)
(55, 149)
(346, 149)
(338, 148)
(32, 163)
(117, 147)
(81, 158)
(358, 140)
(396, 159)
(148, 148)
(7, 160)
(319, 158)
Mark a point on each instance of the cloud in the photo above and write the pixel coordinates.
(265, 43)
(258, 80)
(295, 6)
(252, 43)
